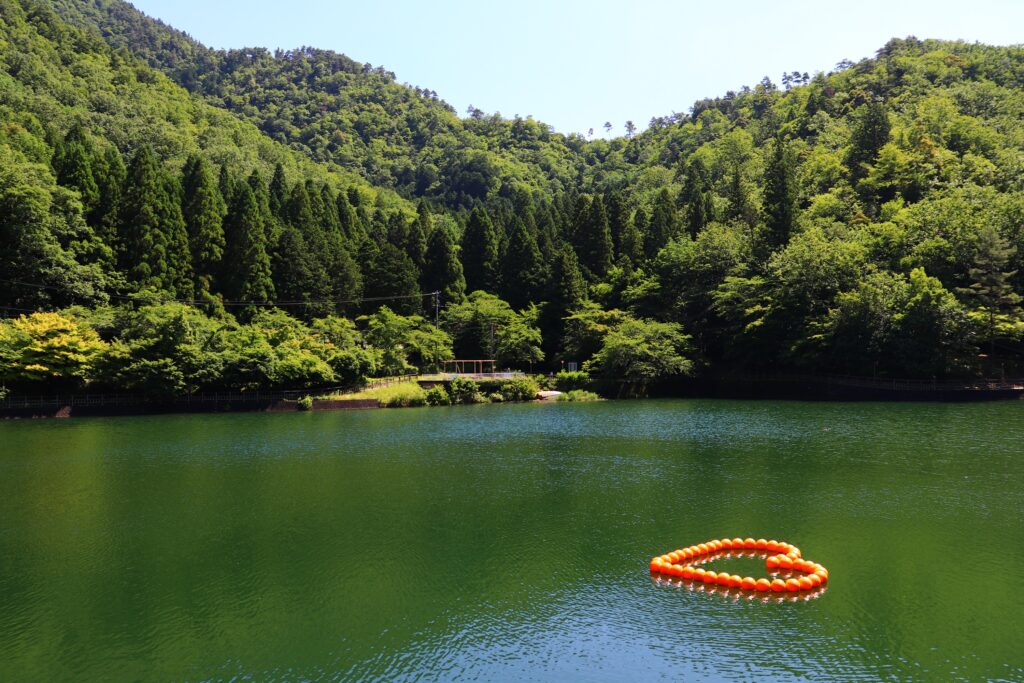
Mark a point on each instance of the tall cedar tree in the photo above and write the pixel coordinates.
(348, 221)
(418, 233)
(249, 277)
(278, 192)
(73, 165)
(991, 289)
(631, 247)
(662, 225)
(391, 273)
(870, 133)
(697, 198)
(566, 290)
(523, 267)
(442, 271)
(780, 196)
(593, 237)
(149, 219)
(110, 174)
(480, 259)
(298, 277)
(618, 220)
(204, 218)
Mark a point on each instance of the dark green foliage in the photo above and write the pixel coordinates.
(592, 237)
(870, 132)
(442, 271)
(480, 259)
(522, 268)
(392, 274)
(249, 276)
(203, 211)
(662, 225)
(779, 197)
(697, 198)
(899, 181)
(73, 164)
(153, 244)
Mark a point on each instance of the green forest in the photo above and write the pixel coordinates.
(175, 219)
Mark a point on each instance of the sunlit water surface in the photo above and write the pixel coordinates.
(510, 542)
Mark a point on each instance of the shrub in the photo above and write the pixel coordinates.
(519, 390)
(305, 403)
(496, 397)
(571, 381)
(463, 390)
(577, 395)
(437, 396)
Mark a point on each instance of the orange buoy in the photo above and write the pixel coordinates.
(780, 557)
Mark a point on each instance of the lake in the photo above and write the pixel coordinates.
(511, 542)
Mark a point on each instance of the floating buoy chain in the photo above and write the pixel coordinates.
(781, 557)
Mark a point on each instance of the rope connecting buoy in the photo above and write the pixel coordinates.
(780, 559)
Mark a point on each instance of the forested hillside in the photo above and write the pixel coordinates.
(866, 221)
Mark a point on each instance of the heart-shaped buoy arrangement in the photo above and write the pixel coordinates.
(781, 558)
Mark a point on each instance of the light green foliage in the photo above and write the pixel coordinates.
(577, 396)
(571, 381)
(519, 390)
(746, 221)
(407, 343)
(437, 396)
(48, 349)
(640, 352)
(484, 326)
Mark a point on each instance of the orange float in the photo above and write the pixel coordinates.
(782, 558)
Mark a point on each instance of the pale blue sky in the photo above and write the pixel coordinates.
(576, 64)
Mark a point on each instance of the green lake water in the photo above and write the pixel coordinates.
(511, 542)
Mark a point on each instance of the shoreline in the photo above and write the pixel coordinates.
(816, 391)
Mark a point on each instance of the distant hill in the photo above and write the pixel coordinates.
(869, 220)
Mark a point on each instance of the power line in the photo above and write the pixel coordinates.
(201, 302)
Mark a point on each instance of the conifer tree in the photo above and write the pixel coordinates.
(418, 234)
(870, 133)
(631, 247)
(618, 220)
(523, 268)
(697, 198)
(779, 197)
(248, 275)
(278, 192)
(662, 225)
(391, 273)
(480, 258)
(442, 270)
(298, 277)
(110, 174)
(73, 165)
(203, 211)
(593, 238)
(172, 222)
(149, 218)
(225, 183)
(348, 221)
(991, 288)
(566, 290)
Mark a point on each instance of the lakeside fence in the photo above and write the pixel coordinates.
(97, 400)
(882, 383)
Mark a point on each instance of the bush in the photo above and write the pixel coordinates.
(495, 397)
(571, 381)
(519, 390)
(305, 403)
(437, 396)
(578, 395)
(463, 390)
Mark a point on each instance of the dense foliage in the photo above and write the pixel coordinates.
(867, 221)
